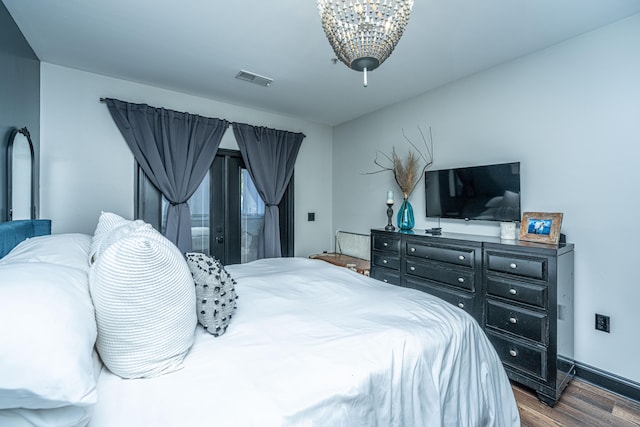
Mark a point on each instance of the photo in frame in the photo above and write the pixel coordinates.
(541, 227)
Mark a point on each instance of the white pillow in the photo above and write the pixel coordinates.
(48, 331)
(215, 292)
(144, 299)
(111, 227)
(68, 416)
(70, 249)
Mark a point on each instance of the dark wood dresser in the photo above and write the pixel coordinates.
(521, 293)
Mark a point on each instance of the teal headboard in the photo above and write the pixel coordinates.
(14, 232)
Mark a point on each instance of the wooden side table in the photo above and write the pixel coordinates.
(358, 265)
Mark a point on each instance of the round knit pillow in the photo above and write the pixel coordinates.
(144, 299)
(111, 227)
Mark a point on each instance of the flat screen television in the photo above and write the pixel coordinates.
(485, 193)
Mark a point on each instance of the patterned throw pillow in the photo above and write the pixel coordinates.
(215, 292)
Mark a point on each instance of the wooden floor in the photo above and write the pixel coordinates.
(581, 404)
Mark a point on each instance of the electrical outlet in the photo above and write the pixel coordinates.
(603, 323)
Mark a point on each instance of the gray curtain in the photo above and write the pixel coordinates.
(175, 150)
(269, 155)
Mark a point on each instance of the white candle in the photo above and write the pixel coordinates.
(389, 197)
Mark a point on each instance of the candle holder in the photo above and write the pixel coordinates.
(389, 226)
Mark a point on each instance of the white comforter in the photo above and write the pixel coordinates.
(312, 344)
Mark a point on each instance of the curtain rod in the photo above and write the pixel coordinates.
(231, 123)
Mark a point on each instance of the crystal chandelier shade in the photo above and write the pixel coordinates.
(363, 33)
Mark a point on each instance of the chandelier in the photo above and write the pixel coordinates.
(363, 33)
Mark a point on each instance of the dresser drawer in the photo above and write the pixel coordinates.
(386, 243)
(527, 267)
(459, 299)
(461, 278)
(529, 359)
(523, 292)
(386, 275)
(525, 323)
(387, 260)
(457, 256)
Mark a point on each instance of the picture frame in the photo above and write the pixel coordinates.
(541, 227)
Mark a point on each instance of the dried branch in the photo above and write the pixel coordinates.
(407, 173)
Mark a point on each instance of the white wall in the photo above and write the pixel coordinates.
(571, 115)
(86, 166)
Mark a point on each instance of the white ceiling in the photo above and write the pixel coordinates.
(198, 46)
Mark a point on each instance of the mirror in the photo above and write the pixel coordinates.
(20, 176)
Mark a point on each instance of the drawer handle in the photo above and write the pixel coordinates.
(461, 257)
(384, 261)
(385, 244)
(513, 353)
(513, 265)
(461, 304)
(513, 291)
(460, 279)
(412, 268)
(412, 249)
(513, 320)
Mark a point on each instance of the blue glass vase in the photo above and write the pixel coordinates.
(405, 216)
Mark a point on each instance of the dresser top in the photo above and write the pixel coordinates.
(487, 241)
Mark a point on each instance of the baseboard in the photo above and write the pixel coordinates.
(619, 385)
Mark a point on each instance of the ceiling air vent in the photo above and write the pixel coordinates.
(254, 78)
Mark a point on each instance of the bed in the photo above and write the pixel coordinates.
(309, 344)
